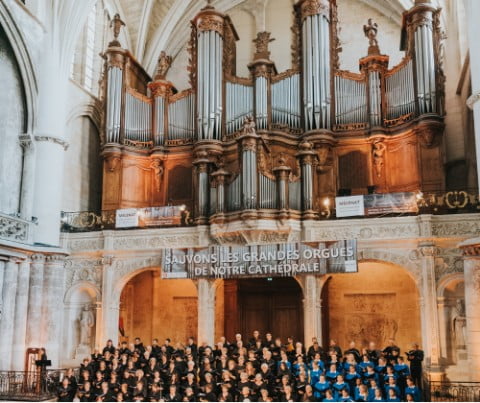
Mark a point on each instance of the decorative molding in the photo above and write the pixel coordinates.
(14, 229)
(367, 231)
(78, 270)
(55, 140)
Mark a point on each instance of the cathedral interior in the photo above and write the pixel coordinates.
(180, 168)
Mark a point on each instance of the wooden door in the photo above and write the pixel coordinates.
(270, 306)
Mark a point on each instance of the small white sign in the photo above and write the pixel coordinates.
(126, 218)
(349, 206)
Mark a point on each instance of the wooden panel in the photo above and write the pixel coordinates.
(180, 184)
(432, 172)
(402, 166)
(231, 308)
(353, 170)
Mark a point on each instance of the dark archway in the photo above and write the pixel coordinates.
(265, 304)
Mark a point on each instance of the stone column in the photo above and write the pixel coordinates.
(442, 324)
(35, 296)
(20, 325)
(471, 252)
(8, 313)
(473, 16)
(312, 309)
(430, 333)
(2, 274)
(28, 176)
(206, 311)
(108, 315)
(52, 308)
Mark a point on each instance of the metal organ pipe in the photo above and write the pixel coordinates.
(209, 74)
(286, 108)
(114, 91)
(316, 64)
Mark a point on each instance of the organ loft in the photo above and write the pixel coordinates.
(275, 145)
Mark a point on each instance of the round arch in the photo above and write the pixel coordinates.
(381, 301)
(24, 60)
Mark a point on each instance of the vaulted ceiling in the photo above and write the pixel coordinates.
(154, 25)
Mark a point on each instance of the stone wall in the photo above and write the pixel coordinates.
(377, 303)
(12, 116)
(156, 308)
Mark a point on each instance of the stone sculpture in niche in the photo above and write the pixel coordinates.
(459, 322)
(86, 321)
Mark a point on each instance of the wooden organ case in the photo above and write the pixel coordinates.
(274, 145)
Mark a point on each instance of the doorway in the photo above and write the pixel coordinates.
(268, 305)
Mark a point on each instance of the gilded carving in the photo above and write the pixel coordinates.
(157, 168)
(261, 45)
(314, 7)
(378, 153)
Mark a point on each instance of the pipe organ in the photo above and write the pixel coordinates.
(274, 144)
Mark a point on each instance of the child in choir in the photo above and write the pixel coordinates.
(329, 396)
(392, 396)
(332, 373)
(339, 386)
(321, 387)
(413, 390)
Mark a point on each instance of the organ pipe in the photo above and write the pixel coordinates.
(210, 30)
(114, 104)
(315, 15)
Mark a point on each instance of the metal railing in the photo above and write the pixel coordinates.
(30, 385)
(446, 391)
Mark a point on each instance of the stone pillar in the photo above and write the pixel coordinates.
(312, 309)
(206, 311)
(108, 315)
(20, 324)
(473, 16)
(2, 274)
(471, 252)
(430, 333)
(52, 307)
(8, 313)
(35, 296)
(28, 177)
(442, 325)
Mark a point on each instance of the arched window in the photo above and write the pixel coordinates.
(86, 63)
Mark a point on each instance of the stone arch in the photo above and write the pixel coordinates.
(450, 288)
(24, 60)
(91, 110)
(409, 260)
(447, 281)
(79, 286)
(377, 310)
(79, 295)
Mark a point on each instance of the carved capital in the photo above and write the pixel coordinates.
(314, 7)
(210, 20)
(37, 258)
(55, 259)
(26, 141)
(161, 88)
(428, 250)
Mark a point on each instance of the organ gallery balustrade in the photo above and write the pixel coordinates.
(275, 140)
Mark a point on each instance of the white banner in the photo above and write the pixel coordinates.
(349, 206)
(126, 218)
